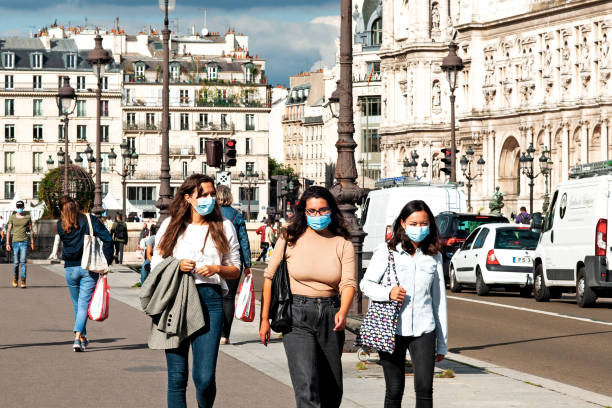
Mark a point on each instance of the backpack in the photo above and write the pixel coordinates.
(121, 231)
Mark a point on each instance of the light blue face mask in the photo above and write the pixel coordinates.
(20, 210)
(205, 205)
(417, 234)
(319, 223)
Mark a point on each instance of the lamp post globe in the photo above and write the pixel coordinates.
(464, 163)
(50, 163)
(480, 163)
(112, 158)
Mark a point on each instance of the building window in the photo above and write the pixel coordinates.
(373, 69)
(175, 72)
(37, 162)
(248, 73)
(212, 72)
(184, 96)
(131, 120)
(9, 133)
(9, 190)
(184, 121)
(140, 72)
(104, 188)
(370, 106)
(60, 133)
(8, 60)
(71, 61)
(203, 120)
(204, 168)
(37, 82)
(37, 111)
(141, 195)
(9, 107)
(244, 194)
(9, 162)
(82, 133)
(150, 121)
(35, 189)
(80, 83)
(185, 170)
(104, 133)
(370, 141)
(81, 108)
(250, 122)
(377, 32)
(224, 124)
(104, 83)
(8, 82)
(103, 108)
(203, 146)
(37, 61)
(105, 166)
(37, 133)
(248, 145)
(131, 141)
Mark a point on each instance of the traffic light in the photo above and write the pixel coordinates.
(214, 152)
(230, 153)
(447, 169)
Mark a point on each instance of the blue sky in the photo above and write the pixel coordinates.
(293, 36)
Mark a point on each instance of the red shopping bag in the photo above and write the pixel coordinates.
(98, 306)
(245, 303)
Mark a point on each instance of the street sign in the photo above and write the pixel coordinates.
(225, 178)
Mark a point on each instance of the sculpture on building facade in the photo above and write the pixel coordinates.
(565, 58)
(604, 51)
(585, 55)
(437, 94)
(547, 61)
(435, 17)
(497, 202)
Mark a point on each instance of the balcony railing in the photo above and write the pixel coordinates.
(139, 126)
(9, 169)
(29, 87)
(182, 102)
(182, 151)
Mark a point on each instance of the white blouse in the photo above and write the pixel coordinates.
(189, 246)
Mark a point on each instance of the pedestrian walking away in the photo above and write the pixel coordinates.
(321, 265)
(422, 322)
(524, 217)
(19, 227)
(225, 199)
(72, 228)
(263, 232)
(119, 232)
(196, 250)
(147, 244)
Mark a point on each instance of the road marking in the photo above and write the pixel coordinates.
(524, 309)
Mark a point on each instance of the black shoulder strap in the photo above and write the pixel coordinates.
(235, 215)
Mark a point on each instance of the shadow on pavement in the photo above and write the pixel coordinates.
(123, 347)
(56, 343)
(240, 343)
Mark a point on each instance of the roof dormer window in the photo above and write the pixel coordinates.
(36, 60)
(212, 71)
(249, 71)
(8, 60)
(71, 61)
(139, 69)
(175, 71)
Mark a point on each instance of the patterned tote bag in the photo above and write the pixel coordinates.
(379, 325)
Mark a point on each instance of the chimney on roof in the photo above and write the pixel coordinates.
(117, 24)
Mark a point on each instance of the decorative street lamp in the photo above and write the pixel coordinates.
(410, 166)
(164, 200)
(452, 65)
(128, 167)
(66, 103)
(98, 58)
(90, 159)
(250, 179)
(50, 163)
(527, 168)
(466, 169)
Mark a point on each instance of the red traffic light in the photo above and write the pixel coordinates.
(231, 143)
(447, 152)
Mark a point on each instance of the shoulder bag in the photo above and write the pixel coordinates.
(280, 302)
(93, 259)
(380, 323)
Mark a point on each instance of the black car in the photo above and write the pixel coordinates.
(455, 228)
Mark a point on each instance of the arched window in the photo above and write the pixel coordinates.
(377, 32)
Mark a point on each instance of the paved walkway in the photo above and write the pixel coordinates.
(43, 371)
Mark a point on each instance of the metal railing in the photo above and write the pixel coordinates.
(182, 151)
(139, 126)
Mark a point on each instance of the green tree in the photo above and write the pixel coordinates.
(52, 188)
(277, 169)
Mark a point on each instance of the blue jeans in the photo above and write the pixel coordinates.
(81, 284)
(20, 251)
(205, 347)
(144, 270)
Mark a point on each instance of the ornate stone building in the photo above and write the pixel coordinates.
(535, 72)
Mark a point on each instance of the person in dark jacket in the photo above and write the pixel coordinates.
(119, 233)
(225, 199)
(72, 228)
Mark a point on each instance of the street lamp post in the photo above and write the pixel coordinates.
(66, 102)
(410, 166)
(527, 168)
(98, 58)
(128, 168)
(249, 179)
(164, 200)
(452, 65)
(466, 169)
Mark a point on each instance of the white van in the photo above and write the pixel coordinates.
(573, 254)
(384, 205)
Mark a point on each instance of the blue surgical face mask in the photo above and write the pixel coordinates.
(205, 205)
(20, 210)
(319, 223)
(417, 234)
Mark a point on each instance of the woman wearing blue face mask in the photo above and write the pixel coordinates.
(197, 247)
(422, 323)
(321, 266)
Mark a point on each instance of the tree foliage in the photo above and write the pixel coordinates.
(51, 189)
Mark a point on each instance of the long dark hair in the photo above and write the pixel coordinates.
(430, 245)
(299, 224)
(180, 213)
(70, 213)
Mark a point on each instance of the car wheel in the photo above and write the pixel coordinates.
(526, 291)
(540, 290)
(482, 288)
(455, 286)
(585, 296)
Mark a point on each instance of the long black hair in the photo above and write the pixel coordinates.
(299, 224)
(430, 245)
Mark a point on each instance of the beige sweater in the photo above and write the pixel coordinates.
(319, 264)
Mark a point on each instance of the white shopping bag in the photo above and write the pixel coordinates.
(245, 303)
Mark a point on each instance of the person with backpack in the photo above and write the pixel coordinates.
(524, 217)
(119, 232)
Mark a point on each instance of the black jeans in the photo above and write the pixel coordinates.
(229, 306)
(119, 252)
(314, 352)
(264, 249)
(422, 355)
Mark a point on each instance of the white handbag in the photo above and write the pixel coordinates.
(93, 259)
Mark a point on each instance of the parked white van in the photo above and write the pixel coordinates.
(573, 254)
(384, 205)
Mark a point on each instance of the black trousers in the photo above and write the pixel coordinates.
(264, 248)
(422, 355)
(119, 252)
(229, 306)
(314, 352)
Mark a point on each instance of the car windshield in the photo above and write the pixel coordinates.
(463, 225)
(516, 238)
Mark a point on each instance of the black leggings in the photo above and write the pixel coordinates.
(422, 355)
(229, 306)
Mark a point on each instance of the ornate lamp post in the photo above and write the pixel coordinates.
(66, 103)
(250, 179)
(545, 167)
(466, 169)
(345, 189)
(527, 168)
(410, 166)
(50, 163)
(452, 65)
(164, 200)
(128, 167)
(98, 58)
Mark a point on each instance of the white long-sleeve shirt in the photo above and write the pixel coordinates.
(189, 246)
(422, 276)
